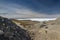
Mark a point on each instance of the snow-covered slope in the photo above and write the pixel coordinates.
(39, 19)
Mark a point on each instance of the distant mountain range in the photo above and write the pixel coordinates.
(38, 19)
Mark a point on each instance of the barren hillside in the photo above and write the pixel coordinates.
(49, 30)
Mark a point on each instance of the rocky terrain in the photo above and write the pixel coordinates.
(10, 31)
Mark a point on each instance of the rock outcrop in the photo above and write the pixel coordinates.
(10, 31)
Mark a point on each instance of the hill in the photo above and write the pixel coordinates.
(10, 31)
(26, 23)
(47, 30)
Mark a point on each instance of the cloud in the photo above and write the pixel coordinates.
(12, 10)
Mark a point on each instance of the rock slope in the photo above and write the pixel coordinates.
(10, 31)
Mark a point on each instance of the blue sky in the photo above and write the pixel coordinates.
(29, 8)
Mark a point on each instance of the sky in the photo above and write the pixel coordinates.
(30, 8)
